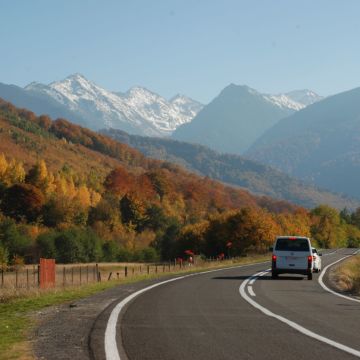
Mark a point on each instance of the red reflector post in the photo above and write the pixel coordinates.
(274, 257)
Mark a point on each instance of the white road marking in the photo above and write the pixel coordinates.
(254, 277)
(293, 324)
(111, 349)
(251, 291)
(321, 282)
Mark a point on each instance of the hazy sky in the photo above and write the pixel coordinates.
(195, 47)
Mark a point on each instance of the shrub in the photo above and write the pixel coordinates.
(77, 245)
(149, 254)
(13, 240)
(46, 245)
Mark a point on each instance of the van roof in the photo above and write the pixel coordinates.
(292, 236)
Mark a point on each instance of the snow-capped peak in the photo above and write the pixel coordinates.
(139, 110)
(185, 105)
(294, 100)
(306, 97)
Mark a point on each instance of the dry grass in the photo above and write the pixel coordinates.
(347, 275)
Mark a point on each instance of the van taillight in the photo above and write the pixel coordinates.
(309, 261)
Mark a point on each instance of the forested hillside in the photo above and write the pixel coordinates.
(234, 169)
(70, 193)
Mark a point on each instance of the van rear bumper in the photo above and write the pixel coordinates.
(292, 271)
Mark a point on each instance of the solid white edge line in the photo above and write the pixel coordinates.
(111, 350)
(320, 280)
(293, 324)
(251, 291)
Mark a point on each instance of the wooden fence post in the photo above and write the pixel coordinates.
(27, 279)
(34, 275)
(97, 272)
(126, 271)
(148, 269)
(38, 275)
(64, 276)
(2, 278)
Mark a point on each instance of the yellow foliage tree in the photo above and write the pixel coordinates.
(15, 173)
(83, 197)
(3, 166)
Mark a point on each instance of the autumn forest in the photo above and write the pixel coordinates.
(78, 196)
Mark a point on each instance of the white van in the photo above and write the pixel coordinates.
(292, 255)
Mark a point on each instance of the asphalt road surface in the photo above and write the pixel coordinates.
(227, 315)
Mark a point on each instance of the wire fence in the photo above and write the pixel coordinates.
(28, 276)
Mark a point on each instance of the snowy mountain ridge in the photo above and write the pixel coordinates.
(138, 111)
(295, 100)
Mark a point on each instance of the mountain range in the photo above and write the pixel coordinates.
(239, 115)
(299, 133)
(137, 111)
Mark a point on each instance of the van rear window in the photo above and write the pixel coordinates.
(291, 244)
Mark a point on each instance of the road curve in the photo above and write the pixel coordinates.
(205, 317)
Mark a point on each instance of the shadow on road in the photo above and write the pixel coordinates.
(266, 278)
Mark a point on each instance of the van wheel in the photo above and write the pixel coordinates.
(309, 276)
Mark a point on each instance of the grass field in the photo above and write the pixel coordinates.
(347, 275)
(17, 319)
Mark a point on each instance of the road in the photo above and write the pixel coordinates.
(227, 315)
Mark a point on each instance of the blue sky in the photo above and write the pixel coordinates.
(180, 46)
